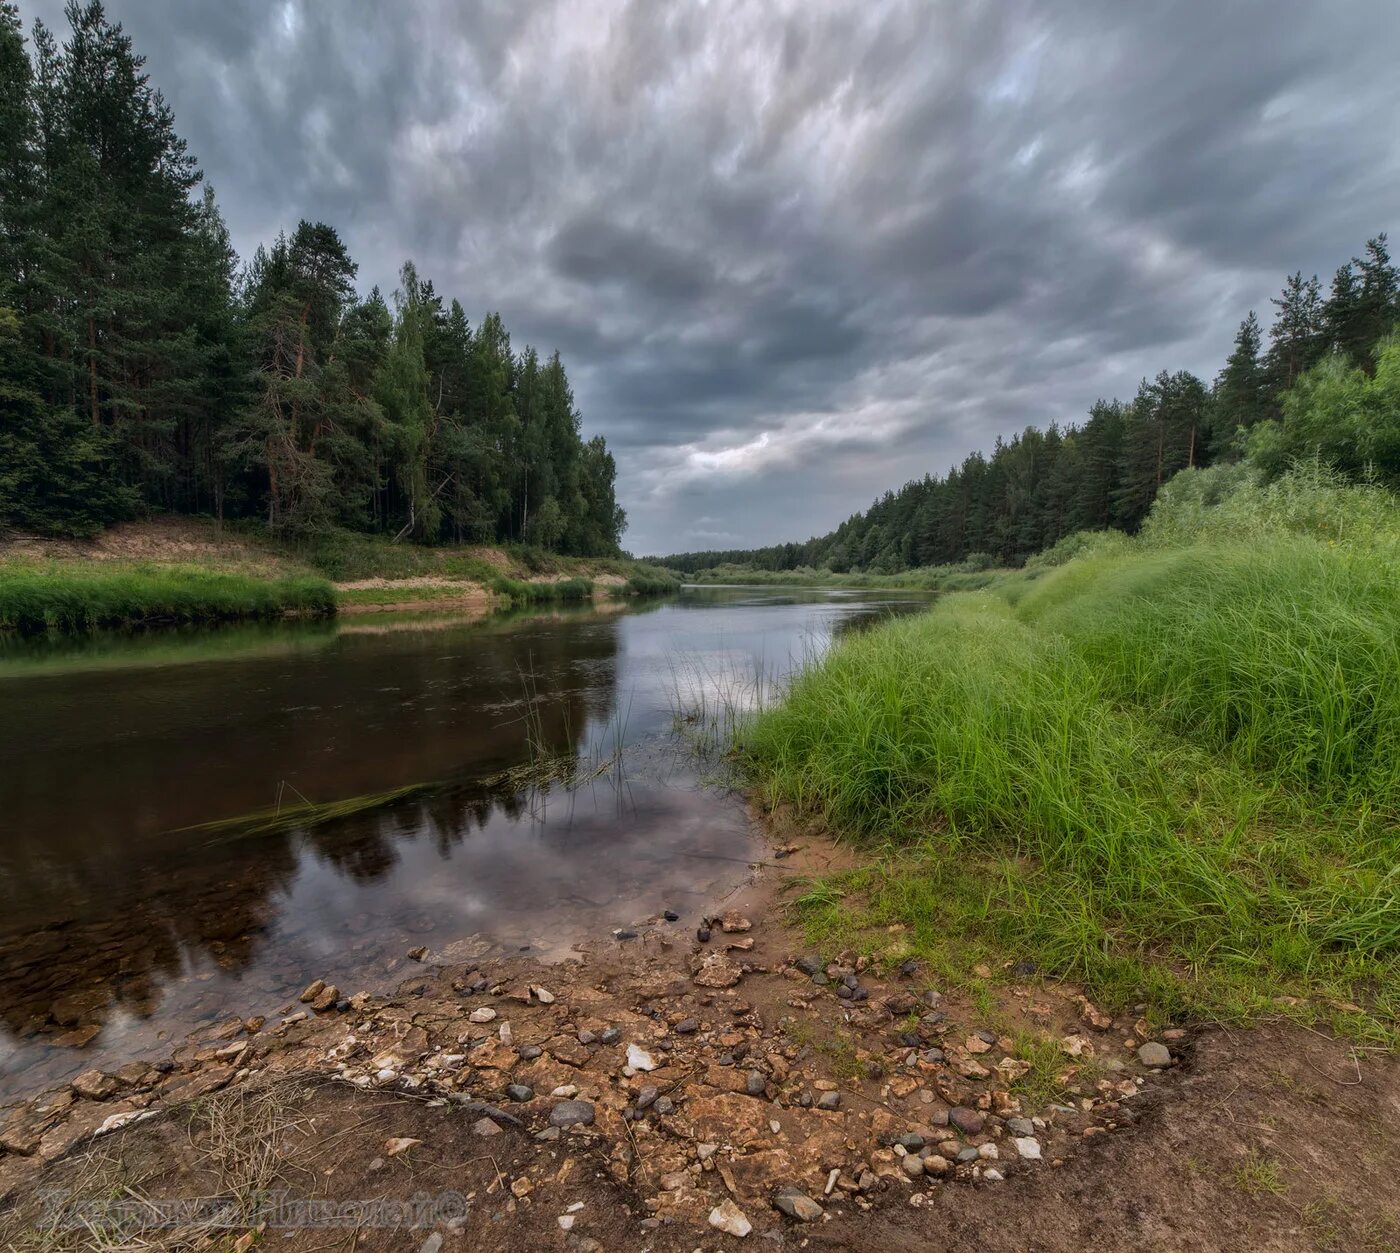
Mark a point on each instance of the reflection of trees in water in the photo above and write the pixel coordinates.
(218, 904)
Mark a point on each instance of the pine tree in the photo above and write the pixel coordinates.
(1241, 397)
(1297, 338)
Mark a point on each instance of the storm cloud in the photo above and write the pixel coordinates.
(794, 254)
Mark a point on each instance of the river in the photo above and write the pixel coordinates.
(159, 868)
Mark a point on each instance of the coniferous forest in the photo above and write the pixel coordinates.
(143, 367)
(1326, 386)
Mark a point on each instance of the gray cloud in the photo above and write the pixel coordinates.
(794, 254)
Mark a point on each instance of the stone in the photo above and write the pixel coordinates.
(521, 1187)
(544, 996)
(484, 1014)
(718, 971)
(587, 1037)
(797, 1205)
(433, 1244)
(609, 1035)
(730, 1219)
(702, 934)
(733, 922)
(686, 1026)
(911, 1142)
(664, 1105)
(829, 1101)
(912, 1165)
(624, 933)
(1155, 1055)
(1020, 1126)
(992, 1175)
(968, 1121)
(936, 1164)
(566, 1222)
(399, 1144)
(572, 1114)
(528, 1052)
(670, 915)
(809, 966)
(326, 999)
(520, 1091)
(311, 991)
(1028, 1147)
(485, 1127)
(646, 1095)
(976, 1044)
(755, 1083)
(639, 1059)
(94, 1085)
(565, 1091)
(968, 1155)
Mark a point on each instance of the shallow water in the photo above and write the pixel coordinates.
(126, 921)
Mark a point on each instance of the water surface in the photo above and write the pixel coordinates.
(126, 920)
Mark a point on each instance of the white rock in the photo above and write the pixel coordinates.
(988, 1152)
(484, 1014)
(574, 1208)
(507, 1035)
(1028, 1147)
(544, 996)
(730, 1219)
(639, 1058)
(565, 1090)
(992, 1175)
(566, 1222)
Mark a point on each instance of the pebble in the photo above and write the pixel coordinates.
(646, 1095)
(968, 1121)
(571, 1114)
(702, 934)
(544, 996)
(687, 1026)
(992, 1175)
(1155, 1055)
(520, 1091)
(1028, 1147)
(911, 1141)
(610, 1035)
(797, 1205)
(829, 1100)
(730, 1219)
(565, 1090)
(485, 1127)
(528, 1052)
(968, 1155)
(664, 1105)
(756, 1083)
(1020, 1126)
(809, 966)
(670, 915)
(639, 1059)
(624, 933)
(432, 1244)
(586, 1037)
(484, 1014)
(937, 1164)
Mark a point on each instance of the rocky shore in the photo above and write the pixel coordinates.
(718, 1072)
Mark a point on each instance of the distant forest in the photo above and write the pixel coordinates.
(143, 368)
(1326, 386)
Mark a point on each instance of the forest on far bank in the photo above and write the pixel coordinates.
(142, 367)
(1326, 388)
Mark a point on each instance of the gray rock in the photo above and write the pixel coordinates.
(844, 992)
(646, 1095)
(432, 1244)
(968, 1121)
(1020, 1126)
(809, 966)
(520, 1091)
(968, 1155)
(820, 979)
(624, 933)
(528, 1052)
(687, 1026)
(861, 993)
(829, 1100)
(933, 1056)
(986, 1036)
(912, 1141)
(571, 1114)
(797, 1205)
(1154, 1054)
(664, 1105)
(587, 1037)
(610, 1035)
(756, 1083)
(702, 934)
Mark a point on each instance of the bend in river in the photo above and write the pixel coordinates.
(197, 824)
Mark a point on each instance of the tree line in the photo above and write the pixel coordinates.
(143, 367)
(1326, 385)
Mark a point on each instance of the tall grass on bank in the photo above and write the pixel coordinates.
(75, 598)
(542, 593)
(1169, 774)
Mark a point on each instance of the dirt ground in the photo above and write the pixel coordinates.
(762, 1078)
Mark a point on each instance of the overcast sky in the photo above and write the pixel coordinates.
(797, 253)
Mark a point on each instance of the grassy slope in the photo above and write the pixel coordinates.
(1173, 773)
(184, 570)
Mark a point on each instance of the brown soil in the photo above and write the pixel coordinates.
(1275, 1138)
(157, 539)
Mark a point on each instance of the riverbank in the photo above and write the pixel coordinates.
(1168, 770)
(659, 1090)
(179, 570)
(959, 578)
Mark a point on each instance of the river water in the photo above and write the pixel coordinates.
(160, 869)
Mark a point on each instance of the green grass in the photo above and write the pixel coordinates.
(78, 597)
(1168, 773)
(926, 578)
(542, 593)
